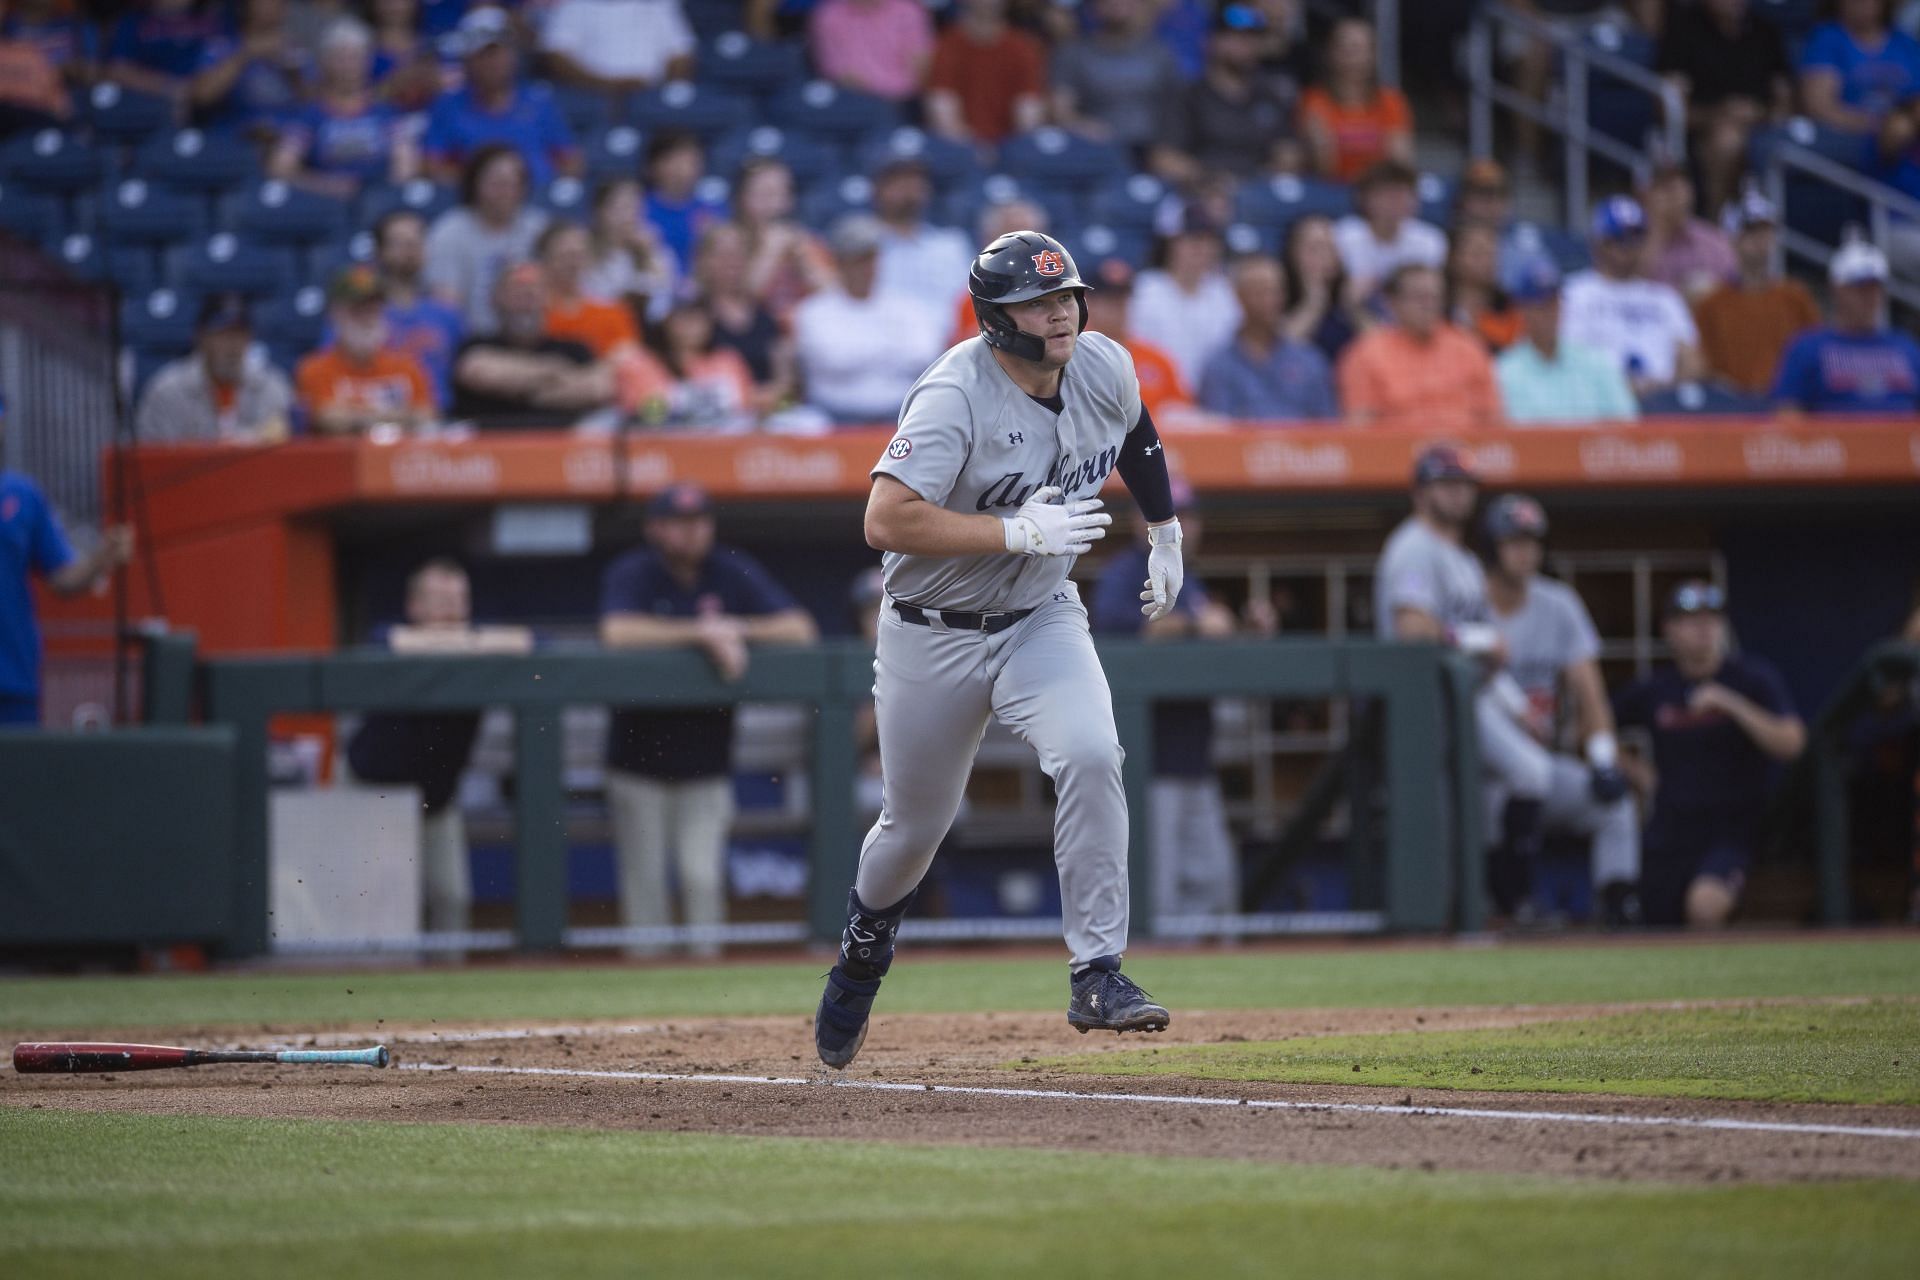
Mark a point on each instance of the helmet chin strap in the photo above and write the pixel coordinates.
(1002, 334)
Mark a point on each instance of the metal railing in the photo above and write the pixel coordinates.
(1568, 117)
(1884, 205)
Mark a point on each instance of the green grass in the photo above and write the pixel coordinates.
(84, 1194)
(1397, 977)
(1831, 1053)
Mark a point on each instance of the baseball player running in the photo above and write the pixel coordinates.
(981, 502)
(1551, 643)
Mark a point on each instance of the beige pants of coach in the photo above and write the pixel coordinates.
(652, 818)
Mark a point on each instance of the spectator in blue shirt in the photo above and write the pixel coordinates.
(675, 164)
(72, 46)
(1855, 364)
(669, 783)
(346, 137)
(32, 545)
(496, 106)
(1196, 868)
(1719, 724)
(255, 80)
(1263, 373)
(160, 46)
(1857, 68)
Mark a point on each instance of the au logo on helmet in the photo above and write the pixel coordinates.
(1048, 263)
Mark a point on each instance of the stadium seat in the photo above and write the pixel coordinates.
(85, 257)
(712, 18)
(117, 114)
(190, 160)
(1793, 18)
(826, 202)
(1131, 205)
(1614, 107)
(136, 214)
(1245, 238)
(680, 105)
(276, 213)
(1705, 398)
(831, 113)
(225, 263)
(1567, 250)
(290, 327)
(1814, 207)
(616, 152)
(1056, 157)
(51, 162)
(324, 262)
(809, 158)
(948, 163)
(586, 111)
(1096, 242)
(1280, 199)
(1436, 199)
(735, 63)
(963, 206)
(566, 198)
(30, 215)
(425, 198)
(160, 321)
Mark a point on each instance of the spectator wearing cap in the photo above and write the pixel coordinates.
(1109, 311)
(1476, 302)
(880, 47)
(1731, 67)
(861, 345)
(669, 788)
(1351, 121)
(1196, 868)
(1417, 370)
(1718, 725)
(1747, 323)
(1688, 253)
(1112, 83)
(1386, 232)
(496, 106)
(565, 252)
(1263, 374)
(346, 136)
(676, 205)
(916, 256)
(989, 79)
(1323, 306)
(225, 390)
(1857, 68)
(683, 377)
(617, 46)
(363, 380)
(1237, 118)
(518, 376)
(1185, 304)
(492, 228)
(1856, 363)
(1613, 308)
(32, 545)
(1546, 380)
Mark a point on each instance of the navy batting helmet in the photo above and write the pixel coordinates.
(1441, 462)
(1515, 515)
(1018, 267)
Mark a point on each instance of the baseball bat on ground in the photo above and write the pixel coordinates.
(68, 1057)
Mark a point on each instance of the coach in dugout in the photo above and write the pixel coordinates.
(32, 545)
(1719, 723)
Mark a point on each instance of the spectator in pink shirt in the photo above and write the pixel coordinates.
(881, 47)
(1688, 253)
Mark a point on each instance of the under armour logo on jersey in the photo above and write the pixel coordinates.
(1048, 263)
(1152, 448)
(1061, 597)
(1015, 437)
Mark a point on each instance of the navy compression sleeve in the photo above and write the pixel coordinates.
(1143, 467)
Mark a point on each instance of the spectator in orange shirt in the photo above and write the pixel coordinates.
(565, 253)
(988, 80)
(1475, 301)
(362, 381)
(1351, 122)
(1161, 390)
(682, 378)
(1417, 370)
(1745, 325)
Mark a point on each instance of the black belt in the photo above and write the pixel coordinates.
(957, 619)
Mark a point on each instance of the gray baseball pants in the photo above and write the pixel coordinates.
(934, 690)
(1517, 766)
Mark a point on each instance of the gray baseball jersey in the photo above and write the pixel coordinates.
(1548, 633)
(971, 441)
(1422, 570)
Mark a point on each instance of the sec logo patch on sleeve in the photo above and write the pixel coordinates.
(899, 448)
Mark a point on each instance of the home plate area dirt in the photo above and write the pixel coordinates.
(908, 1086)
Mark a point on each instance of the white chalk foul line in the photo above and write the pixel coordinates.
(1257, 1104)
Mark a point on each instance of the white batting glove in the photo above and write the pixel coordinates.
(1046, 527)
(1166, 573)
